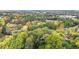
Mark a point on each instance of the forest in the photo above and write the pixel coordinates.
(39, 30)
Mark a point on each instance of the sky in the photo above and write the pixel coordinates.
(39, 5)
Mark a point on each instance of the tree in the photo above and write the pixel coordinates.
(55, 40)
(4, 29)
(76, 41)
(29, 43)
(6, 42)
(19, 41)
(67, 44)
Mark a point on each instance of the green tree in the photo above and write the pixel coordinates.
(29, 42)
(19, 41)
(54, 40)
(4, 29)
(67, 44)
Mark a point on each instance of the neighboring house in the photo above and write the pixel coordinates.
(67, 16)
